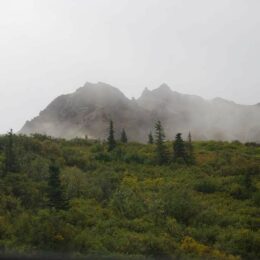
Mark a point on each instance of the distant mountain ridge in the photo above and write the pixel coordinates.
(88, 110)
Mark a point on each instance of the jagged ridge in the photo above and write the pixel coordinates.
(88, 110)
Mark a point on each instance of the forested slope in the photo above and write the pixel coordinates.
(122, 203)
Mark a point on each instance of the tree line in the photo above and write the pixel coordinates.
(182, 151)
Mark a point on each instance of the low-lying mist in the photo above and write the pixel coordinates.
(88, 111)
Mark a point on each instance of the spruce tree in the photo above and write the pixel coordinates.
(179, 150)
(123, 137)
(190, 148)
(161, 149)
(55, 191)
(10, 158)
(111, 139)
(150, 138)
(190, 153)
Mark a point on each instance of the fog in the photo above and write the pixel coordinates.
(48, 48)
(88, 111)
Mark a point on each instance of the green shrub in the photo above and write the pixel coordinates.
(206, 186)
(237, 191)
(256, 198)
(181, 206)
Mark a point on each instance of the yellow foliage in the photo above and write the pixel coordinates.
(58, 237)
(189, 245)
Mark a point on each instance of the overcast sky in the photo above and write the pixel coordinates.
(50, 47)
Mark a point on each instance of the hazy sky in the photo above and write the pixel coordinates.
(50, 47)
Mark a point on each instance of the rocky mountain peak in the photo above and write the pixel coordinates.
(100, 88)
(145, 92)
(99, 94)
(162, 90)
(164, 87)
(89, 109)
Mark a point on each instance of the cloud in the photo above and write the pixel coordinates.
(47, 48)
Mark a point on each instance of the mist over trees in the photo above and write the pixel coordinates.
(87, 110)
(182, 151)
(102, 174)
(150, 138)
(123, 137)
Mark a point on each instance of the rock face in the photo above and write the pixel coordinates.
(88, 111)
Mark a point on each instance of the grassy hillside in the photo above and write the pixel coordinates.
(121, 203)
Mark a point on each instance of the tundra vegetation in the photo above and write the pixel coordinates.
(172, 199)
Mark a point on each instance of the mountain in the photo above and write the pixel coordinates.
(88, 110)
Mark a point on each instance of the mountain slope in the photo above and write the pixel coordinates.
(88, 111)
(217, 119)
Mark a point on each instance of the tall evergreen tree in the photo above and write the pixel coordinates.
(111, 139)
(190, 153)
(11, 164)
(161, 149)
(150, 138)
(123, 136)
(179, 150)
(190, 143)
(55, 191)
